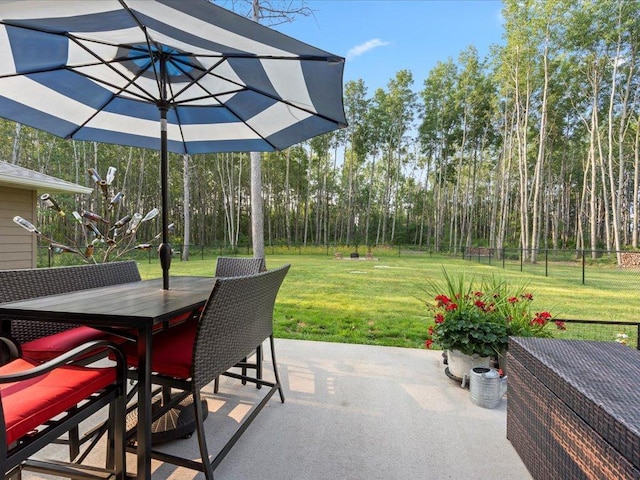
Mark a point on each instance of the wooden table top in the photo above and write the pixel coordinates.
(135, 304)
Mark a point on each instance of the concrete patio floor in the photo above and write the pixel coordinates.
(354, 412)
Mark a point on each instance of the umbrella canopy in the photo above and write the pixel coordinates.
(177, 76)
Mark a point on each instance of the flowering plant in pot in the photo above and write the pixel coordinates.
(466, 325)
(477, 318)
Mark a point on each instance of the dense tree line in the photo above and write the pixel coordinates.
(537, 145)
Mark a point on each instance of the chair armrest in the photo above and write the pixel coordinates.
(67, 358)
(9, 349)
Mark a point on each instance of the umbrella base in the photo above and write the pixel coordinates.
(179, 422)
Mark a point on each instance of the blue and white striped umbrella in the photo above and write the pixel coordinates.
(172, 75)
(101, 70)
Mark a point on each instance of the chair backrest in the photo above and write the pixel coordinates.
(39, 282)
(237, 318)
(238, 266)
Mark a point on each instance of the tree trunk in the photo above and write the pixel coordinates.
(239, 201)
(636, 176)
(616, 207)
(186, 198)
(593, 194)
(369, 199)
(257, 213)
(306, 204)
(537, 177)
(287, 207)
(15, 152)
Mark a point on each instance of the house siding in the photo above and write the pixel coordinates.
(17, 246)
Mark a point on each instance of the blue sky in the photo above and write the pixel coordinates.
(381, 37)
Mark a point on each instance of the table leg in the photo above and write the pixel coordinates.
(144, 403)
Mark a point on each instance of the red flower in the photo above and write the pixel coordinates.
(443, 300)
(541, 318)
(527, 296)
(439, 318)
(428, 343)
(513, 300)
(478, 294)
(480, 304)
(560, 325)
(451, 307)
(430, 330)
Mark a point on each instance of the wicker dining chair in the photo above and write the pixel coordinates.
(41, 401)
(236, 267)
(42, 340)
(236, 319)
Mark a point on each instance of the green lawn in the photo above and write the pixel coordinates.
(378, 301)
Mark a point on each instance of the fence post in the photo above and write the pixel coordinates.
(546, 262)
(584, 262)
(521, 258)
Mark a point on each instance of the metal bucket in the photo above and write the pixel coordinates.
(486, 387)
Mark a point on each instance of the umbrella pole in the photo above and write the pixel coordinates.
(164, 250)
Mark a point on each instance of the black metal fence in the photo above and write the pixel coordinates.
(573, 265)
(626, 333)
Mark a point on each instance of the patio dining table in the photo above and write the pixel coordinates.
(137, 306)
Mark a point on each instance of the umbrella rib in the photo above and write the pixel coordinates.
(265, 94)
(194, 79)
(98, 110)
(113, 95)
(254, 56)
(242, 87)
(80, 42)
(129, 80)
(148, 40)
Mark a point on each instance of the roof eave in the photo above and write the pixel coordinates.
(43, 186)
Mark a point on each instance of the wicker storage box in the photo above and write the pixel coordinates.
(574, 408)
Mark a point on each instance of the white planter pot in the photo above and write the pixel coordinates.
(460, 364)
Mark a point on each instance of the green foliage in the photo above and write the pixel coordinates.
(471, 332)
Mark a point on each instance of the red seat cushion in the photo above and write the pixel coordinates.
(172, 350)
(183, 317)
(30, 403)
(52, 346)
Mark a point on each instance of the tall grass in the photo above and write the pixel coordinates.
(381, 301)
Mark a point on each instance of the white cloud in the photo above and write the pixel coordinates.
(365, 47)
